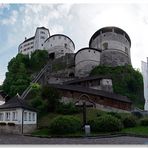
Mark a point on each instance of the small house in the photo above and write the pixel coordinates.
(17, 117)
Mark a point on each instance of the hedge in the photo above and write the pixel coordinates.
(105, 123)
(65, 125)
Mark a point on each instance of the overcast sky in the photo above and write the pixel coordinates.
(78, 21)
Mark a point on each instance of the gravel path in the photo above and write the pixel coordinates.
(16, 139)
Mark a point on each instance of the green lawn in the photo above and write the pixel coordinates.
(138, 130)
(45, 120)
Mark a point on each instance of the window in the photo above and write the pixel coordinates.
(42, 37)
(7, 116)
(105, 45)
(126, 50)
(65, 45)
(1, 116)
(14, 116)
(25, 116)
(29, 116)
(33, 116)
(42, 32)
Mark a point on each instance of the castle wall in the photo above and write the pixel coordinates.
(115, 45)
(59, 45)
(85, 60)
(71, 96)
(114, 58)
(40, 36)
(26, 47)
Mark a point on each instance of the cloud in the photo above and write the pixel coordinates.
(10, 20)
(78, 21)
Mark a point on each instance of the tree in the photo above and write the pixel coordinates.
(126, 81)
(20, 70)
(38, 59)
(52, 97)
(17, 78)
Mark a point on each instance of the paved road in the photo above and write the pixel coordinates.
(16, 139)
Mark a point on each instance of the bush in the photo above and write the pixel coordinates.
(68, 108)
(144, 121)
(2, 123)
(137, 114)
(129, 121)
(117, 115)
(11, 124)
(39, 104)
(105, 123)
(65, 125)
(51, 95)
(99, 114)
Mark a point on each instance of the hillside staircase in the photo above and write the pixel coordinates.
(48, 67)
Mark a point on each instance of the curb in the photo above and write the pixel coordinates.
(91, 137)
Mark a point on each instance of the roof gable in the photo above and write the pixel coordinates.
(16, 102)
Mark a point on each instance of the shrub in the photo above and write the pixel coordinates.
(129, 121)
(99, 114)
(105, 123)
(2, 123)
(144, 121)
(117, 115)
(52, 96)
(137, 114)
(11, 124)
(65, 125)
(68, 108)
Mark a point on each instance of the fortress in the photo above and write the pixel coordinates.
(109, 46)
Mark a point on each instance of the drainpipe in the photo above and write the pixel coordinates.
(22, 121)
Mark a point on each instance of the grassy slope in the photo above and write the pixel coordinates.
(138, 130)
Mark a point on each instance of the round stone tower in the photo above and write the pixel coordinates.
(115, 46)
(58, 45)
(85, 60)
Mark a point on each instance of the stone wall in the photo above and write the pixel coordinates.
(85, 60)
(106, 102)
(29, 128)
(6, 129)
(17, 129)
(119, 41)
(114, 58)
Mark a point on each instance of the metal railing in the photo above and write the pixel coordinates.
(36, 79)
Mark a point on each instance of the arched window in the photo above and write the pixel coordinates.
(71, 75)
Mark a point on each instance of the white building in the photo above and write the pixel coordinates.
(35, 42)
(144, 67)
(57, 45)
(17, 117)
